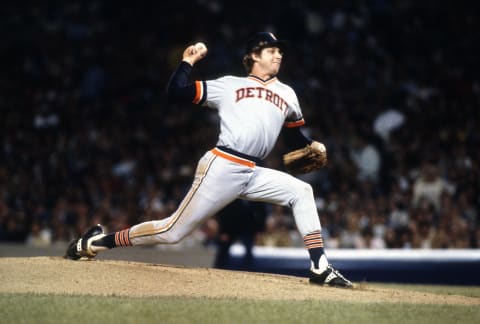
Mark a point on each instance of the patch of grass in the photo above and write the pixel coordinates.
(32, 308)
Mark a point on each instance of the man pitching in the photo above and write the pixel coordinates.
(253, 110)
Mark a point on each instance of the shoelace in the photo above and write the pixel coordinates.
(338, 274)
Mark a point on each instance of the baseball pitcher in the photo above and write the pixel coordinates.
(253, 110)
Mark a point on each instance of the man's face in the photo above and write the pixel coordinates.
(269, 60)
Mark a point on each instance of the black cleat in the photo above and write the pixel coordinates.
(330, 277)
(80, 247)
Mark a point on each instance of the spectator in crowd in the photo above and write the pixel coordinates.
(366, 158)
(429, 186)
(370, 240)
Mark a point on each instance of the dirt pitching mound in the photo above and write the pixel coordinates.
(54, 275)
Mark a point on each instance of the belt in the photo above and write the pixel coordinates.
(234, 156)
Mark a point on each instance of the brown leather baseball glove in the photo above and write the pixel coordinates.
(307, 159)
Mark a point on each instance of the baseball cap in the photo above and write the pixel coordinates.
(262, 40)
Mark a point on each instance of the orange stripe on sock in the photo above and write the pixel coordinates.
(313, 237)
(309, 237)
(316, 237)
(126, 238)
(122, 238)
(313, 240)
(315, 246)
(125, 242)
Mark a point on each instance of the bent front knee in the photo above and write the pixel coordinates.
(302, 191)
(172, 238)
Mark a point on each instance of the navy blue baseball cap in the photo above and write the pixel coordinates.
(263, 40)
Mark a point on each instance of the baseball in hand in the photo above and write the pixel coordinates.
(319, 147)
(201, 48)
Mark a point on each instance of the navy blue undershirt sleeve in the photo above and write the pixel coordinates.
(179, 88)
(294, 138)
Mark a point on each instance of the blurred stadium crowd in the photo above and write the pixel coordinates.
(391, 87)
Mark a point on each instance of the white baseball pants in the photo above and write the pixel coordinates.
(220, 178)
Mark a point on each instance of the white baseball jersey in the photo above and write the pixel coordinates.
(252, 111)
